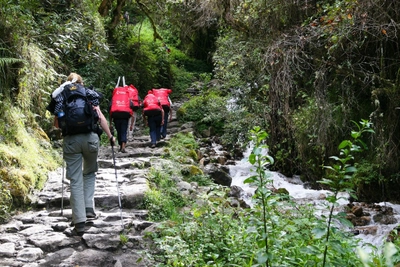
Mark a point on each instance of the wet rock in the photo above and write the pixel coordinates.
(357, 211)
(368, 230)
(384, 219)
(222, 160)
(218, 175)
(234, 202)
(358, 221)
(236, 191)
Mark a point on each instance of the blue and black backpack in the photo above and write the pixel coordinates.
(79, 115)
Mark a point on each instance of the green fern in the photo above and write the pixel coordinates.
(9, 61)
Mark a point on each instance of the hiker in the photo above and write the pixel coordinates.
(167, 48)
(121, 125)
(80, 144)
(154, 112)
(126, 17)
(124, 104)
(166, 103)
(136, 103)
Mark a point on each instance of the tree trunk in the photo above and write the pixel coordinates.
(117, 13)
(104, 7)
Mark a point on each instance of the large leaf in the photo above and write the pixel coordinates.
(345, 143)
(351, 169)
(319, 232)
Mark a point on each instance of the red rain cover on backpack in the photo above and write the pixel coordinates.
(162, 94)
(134, 96)
(121, 103)
(151, 105)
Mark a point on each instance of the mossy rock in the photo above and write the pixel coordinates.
(191, 171)
(181, 112)
(141, 165)
(193, 154)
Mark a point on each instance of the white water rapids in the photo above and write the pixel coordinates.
(243, 169)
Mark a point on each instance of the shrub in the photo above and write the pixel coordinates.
(6, 202)
(163, 199)
(212, 234)
(207, 111)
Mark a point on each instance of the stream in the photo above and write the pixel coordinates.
(373, 233)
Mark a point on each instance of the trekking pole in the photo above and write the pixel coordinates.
(119, 77)
(62, 189)
(116, 179)
(134, 122)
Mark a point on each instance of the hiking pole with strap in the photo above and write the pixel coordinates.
(134, 122)
(62, 189)
(116, 179)
(118, 82)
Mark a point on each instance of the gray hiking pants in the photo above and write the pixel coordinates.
(79, 151)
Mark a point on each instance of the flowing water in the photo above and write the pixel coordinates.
(374, 234)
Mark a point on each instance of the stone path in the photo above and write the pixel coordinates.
(42, 236)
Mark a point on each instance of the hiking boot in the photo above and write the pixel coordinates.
(90, 214)
(153, 145)
(122, 149)
(88, 222)
(162, 137)
(79, 229)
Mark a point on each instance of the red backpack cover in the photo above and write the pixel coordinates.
(134, 96)
(124, 101)
(151, 105)
(162, 94)
(121, 103)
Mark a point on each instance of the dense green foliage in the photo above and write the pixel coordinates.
(306, 70)
(207, 110)
(163, 199)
